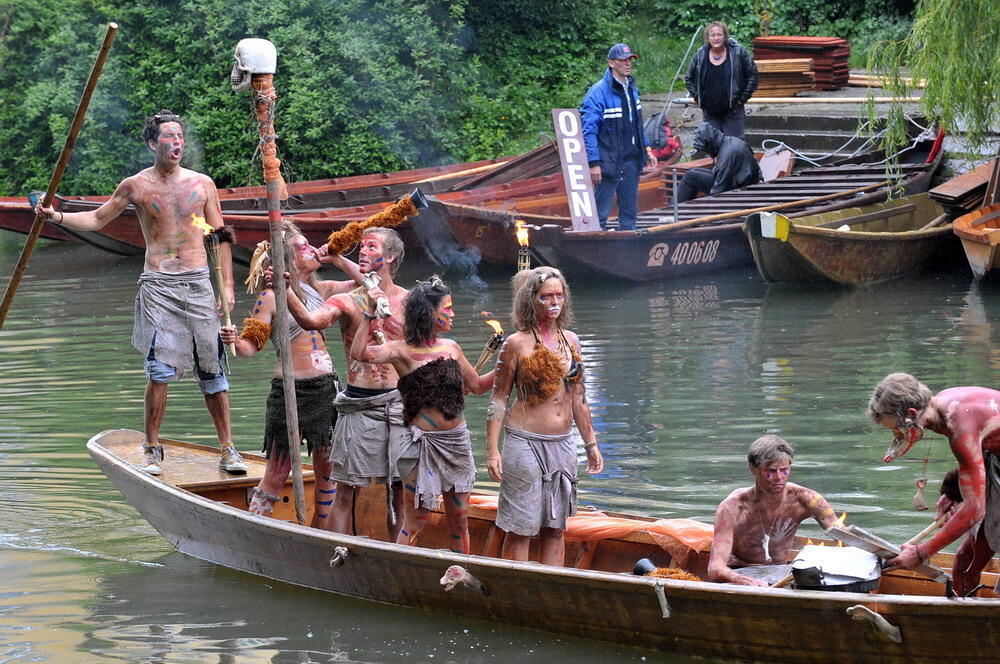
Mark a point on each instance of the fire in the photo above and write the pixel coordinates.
(495, 324)
(520, 232)
(200, 223)
(841, 519)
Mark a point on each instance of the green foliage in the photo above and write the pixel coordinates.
(956, 53)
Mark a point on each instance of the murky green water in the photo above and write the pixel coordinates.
(682, 377)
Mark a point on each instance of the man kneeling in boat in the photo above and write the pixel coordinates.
(756, 525)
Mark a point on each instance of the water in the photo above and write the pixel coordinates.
(681, 378)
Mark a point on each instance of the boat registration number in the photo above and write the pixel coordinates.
(684, 253)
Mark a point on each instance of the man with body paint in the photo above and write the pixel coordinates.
(756, 525)
(369, 411)
(970, 418)
(434, 374)
(316, 380)
(176, 316)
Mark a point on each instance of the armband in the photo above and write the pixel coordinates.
(255, 331)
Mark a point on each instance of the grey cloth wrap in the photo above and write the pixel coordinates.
(991, 522)
(538, 489)
(314, 404)
(367, 429)
(312, 301)
(179, 310)
(443, 460)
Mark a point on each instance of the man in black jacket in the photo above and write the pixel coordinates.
(735, 165)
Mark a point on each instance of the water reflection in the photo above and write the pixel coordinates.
(681, 376)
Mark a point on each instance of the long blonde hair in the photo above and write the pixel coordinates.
(526, 285)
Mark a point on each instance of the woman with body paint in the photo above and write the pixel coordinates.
(316, 381)
(434, 375)
(541, 365)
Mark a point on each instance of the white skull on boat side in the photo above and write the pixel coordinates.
(253, 56)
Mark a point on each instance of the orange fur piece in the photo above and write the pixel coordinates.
(540, 376)
(255, 331)
(394, 215)
(673, 573)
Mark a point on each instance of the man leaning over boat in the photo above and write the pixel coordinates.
(756, 525)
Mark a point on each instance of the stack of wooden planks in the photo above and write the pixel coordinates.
(784, 77)
(829, 56)
(858, 80)
(964, 193)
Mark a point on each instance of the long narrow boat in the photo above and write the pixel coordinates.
(709, 237)
(853, 246)
(203, 512)
(980, 234)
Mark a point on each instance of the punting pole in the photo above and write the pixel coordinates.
(57, 173)
(257, 60)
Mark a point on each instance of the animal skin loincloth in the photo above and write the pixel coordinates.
(316, 414)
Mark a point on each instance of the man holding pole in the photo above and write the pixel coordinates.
(176, 319)
(970, 418)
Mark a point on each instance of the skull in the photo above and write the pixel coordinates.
(253, 56)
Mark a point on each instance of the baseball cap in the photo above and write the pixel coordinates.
(620, 52)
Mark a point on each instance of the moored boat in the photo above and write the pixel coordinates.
(203, 512)
(979, 231)
(853, 246)
(706, 234)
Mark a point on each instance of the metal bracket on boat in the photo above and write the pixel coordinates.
(662, 596)
(890, 631)
(340, 554)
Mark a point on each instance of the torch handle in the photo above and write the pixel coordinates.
(220, 289)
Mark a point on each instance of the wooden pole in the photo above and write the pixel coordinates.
(57, 173)
(264, 96)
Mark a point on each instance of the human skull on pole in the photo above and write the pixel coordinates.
(253, 56)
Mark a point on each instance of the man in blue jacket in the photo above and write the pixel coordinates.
(612, 131)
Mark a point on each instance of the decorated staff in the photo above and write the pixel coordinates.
(256, 62)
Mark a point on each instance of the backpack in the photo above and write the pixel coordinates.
(660, 136)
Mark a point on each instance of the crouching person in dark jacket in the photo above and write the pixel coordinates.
(735, 165)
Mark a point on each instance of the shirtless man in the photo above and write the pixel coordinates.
(175, 309)
(316, 380)
(369, 410)
(970, 418)
(756, 525)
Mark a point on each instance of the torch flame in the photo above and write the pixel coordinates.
(520, 232)
(841, 519)
(495, 324)
(200, 223)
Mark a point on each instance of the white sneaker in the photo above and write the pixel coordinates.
(152, 456)
(231, 461)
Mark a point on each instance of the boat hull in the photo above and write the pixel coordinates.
(980, 234)
(691, 617)
(885, 241)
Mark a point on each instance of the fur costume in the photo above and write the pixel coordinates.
(437, 384)
(541, 374)
(256, 332)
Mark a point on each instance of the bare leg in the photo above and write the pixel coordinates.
(414, 518)
(515, 547)
(324, 490)
(156, 406)
(456, 513)
(218, 408)
(553, 549)
(970, 560)
(342, 510)
(397, 507)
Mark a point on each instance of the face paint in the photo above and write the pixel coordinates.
(905, 435)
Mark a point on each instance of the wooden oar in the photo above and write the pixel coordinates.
(57, 173)
(923, 534)
(936, 221)
(764, 208)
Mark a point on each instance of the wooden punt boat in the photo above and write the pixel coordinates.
(203, 512)
(706, 234)
(853, 246)
(980, 234)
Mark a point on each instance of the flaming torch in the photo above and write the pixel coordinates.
(212, 247)
(523, 254)
(492, 345)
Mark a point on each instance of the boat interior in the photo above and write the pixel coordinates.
(193, 467)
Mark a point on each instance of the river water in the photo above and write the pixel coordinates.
(682, 377)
